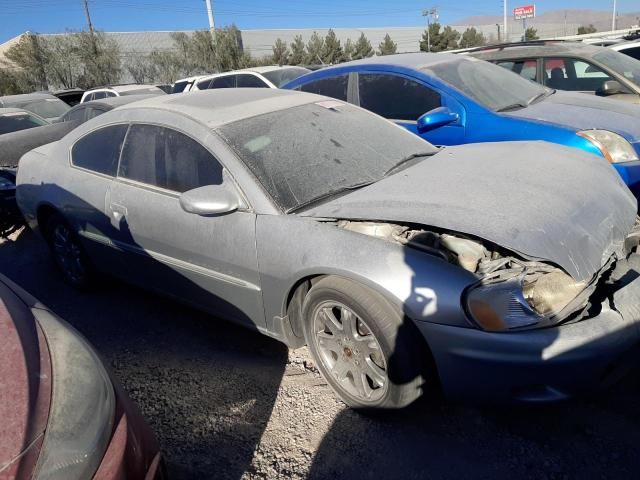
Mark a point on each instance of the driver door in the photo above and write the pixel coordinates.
(209, 262)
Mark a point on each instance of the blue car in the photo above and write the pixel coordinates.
(451, 99)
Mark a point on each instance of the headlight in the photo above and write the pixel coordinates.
(82, 406)
(519, 303)
(614, 147)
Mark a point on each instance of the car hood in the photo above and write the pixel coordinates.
(540, 200)
(25, 386)
(582, 112)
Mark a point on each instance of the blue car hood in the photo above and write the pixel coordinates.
(582, 112)
(542, 200)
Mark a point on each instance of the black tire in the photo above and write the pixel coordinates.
(79, 273)
(397, 340)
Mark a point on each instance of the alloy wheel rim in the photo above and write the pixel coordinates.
(350, 352)
(68, 254)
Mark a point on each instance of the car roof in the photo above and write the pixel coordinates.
(625, 45)
(416, 61)
(496, 52)
(114, 102)
(218, 107)
(259, 70)
(9, 100)
(123, 88)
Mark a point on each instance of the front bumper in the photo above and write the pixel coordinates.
(540, 366)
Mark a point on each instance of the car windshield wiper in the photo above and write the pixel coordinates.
(406, 159)
(328, 195)
(540, 96)
(513, 106)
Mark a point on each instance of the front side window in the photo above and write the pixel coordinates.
(99, 151)
(394, 97)
(99, 95)
(167, 159)
(250, 81)
(573, 74)
(94, 112)
(335, 87)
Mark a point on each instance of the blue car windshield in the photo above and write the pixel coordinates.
(490, 85)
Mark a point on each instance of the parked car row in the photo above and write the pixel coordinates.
(488, 249)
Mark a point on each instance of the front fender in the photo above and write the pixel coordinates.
(292, 248)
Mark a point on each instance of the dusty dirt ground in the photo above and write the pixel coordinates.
(227, 403)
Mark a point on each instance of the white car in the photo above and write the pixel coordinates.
(628, 48)
(120, 90)
(257, 77)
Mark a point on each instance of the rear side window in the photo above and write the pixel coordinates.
(250, 81)
(167, 159)
(75, 115)
(94, 112)
(335, 87)
(99, 151)
(224, 82)
(524, 68)
(99, 95)
(394, 97)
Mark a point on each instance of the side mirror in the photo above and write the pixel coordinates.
(436, 118)
(211, 200)
(610, 87)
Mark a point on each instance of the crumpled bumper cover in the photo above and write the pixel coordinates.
(540, 366)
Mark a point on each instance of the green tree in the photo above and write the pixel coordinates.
(472, 38)
(281, 52)
(447, 39)
(315, 47)
(99, 57)
(297, 51)
(228, 48)
(11, 82)
(582, 30)
(349, 50)
(142, 69)
(30, 57)
(387, 46)
(332, 50)
(362, 48)
(531, 34)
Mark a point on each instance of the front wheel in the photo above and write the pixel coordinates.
(366, 350)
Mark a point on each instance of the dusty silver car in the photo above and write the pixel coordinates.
(494, 271)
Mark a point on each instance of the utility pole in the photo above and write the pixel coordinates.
(498, 25)
(504, 20)
(212, 25)
(613, 18)
(432, 13)
(86, 10)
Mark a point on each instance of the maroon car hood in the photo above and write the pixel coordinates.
(25, 386)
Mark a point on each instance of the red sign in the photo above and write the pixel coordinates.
(528, 11)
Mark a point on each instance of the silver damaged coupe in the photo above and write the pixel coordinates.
(494, 272)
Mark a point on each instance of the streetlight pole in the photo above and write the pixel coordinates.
(504, 20)
(431, 13)
(613, 17)
(212, 25)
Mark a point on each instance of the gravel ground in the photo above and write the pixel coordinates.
(228, 403)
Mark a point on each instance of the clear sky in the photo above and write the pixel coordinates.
(50, 16)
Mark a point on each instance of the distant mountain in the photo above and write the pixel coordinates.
(599, 18)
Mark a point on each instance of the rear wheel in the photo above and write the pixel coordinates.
(68, 254)
(363, 346)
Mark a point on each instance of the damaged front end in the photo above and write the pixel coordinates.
(514, 293)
